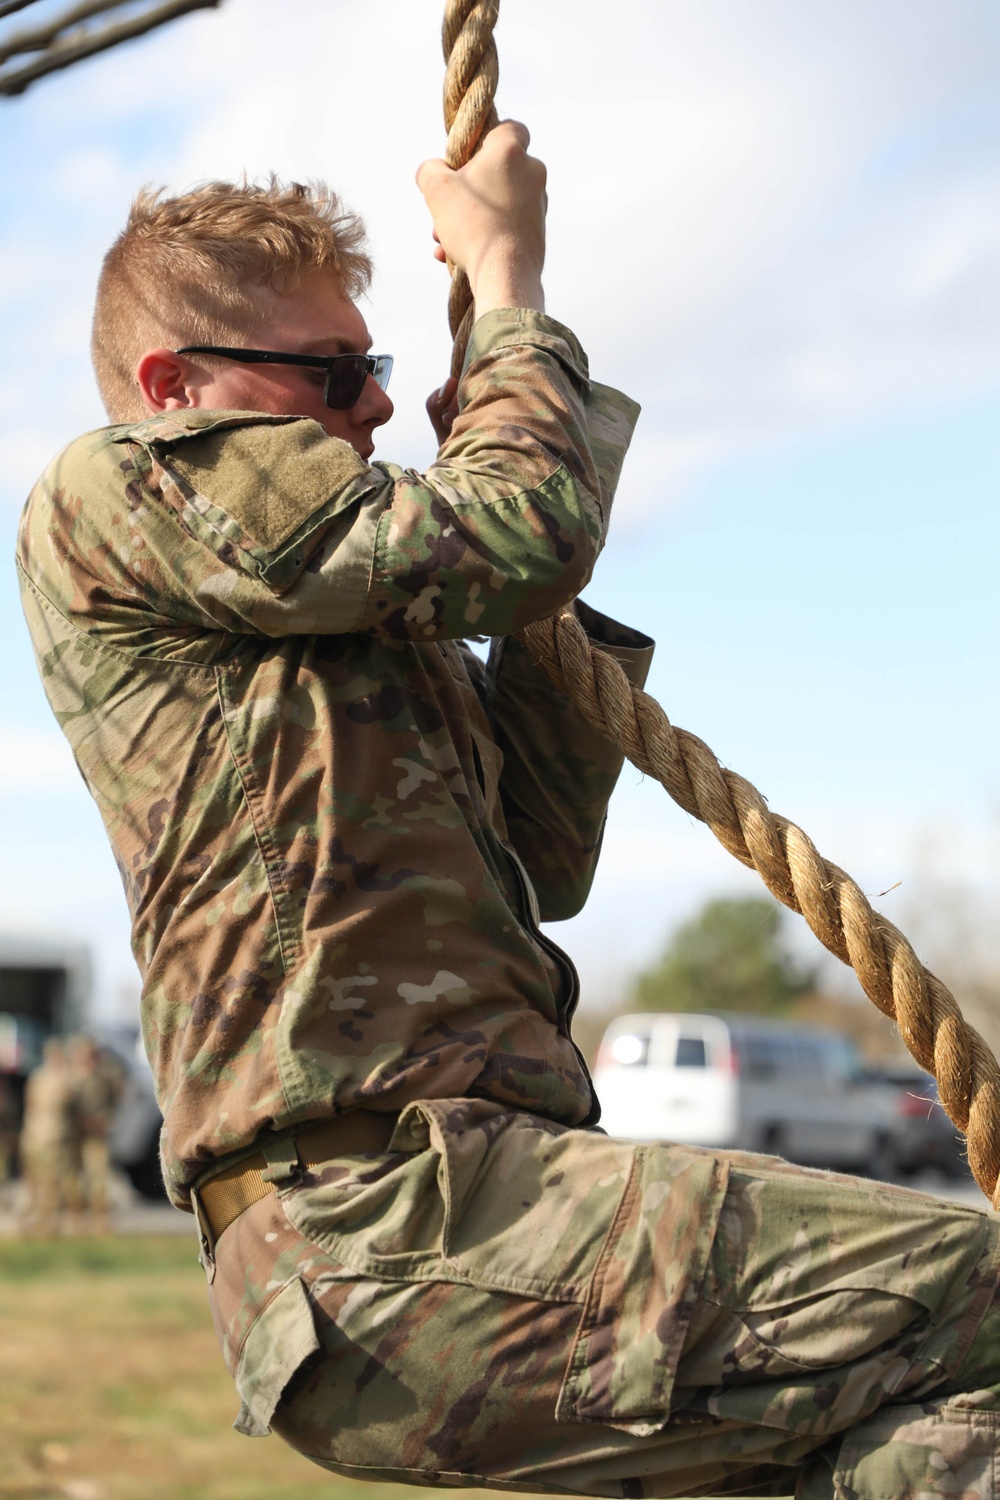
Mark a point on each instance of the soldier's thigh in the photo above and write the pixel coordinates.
(444, 1384)
(860, 1312)
(525, 1330)
(826, 1295)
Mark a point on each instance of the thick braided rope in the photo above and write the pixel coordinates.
(838, 912)
(795, 873)
(470, 86)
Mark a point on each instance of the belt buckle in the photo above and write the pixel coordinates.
(284, 1165)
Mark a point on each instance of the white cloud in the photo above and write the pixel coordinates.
(87, 173)
(33, 760)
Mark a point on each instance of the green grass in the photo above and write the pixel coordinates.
(112, 1386)
(26, 1260)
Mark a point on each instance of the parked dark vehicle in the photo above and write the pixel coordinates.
(923, 1139)
(135, 1135)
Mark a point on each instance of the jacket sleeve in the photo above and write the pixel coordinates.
(247, 523)
(558, 772)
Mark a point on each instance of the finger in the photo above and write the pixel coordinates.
(431, 171)
(438, 400)
(520, 130)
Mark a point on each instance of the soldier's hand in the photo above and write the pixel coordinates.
(442, 408)
(489, 218)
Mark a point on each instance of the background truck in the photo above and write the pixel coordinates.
(44, 991)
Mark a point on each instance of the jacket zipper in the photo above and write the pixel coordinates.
(531, 919)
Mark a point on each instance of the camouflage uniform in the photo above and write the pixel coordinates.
(98, 1083)
(49, 1143)
(337, 831)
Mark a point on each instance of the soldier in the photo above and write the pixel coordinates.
(337, 831)
(98, 1081)
(49, 1136)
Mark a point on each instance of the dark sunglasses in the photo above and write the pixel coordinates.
(345, 373)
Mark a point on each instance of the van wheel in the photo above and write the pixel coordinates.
(773, 1143)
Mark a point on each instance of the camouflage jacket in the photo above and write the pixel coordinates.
(336, 827)
(51, 1116)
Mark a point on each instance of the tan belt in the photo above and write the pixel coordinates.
(225, 1196)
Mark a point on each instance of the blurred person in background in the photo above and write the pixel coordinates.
(97, 1080)
(49, 1141)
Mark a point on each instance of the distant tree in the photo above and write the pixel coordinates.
(728, 957)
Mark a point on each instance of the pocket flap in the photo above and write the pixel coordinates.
(643, 1291)
(280, 1341)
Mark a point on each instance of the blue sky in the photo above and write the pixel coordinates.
(776, 225)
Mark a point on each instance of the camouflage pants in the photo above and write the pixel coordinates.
(51, 1180)
(95, 1176)
(497, 1301)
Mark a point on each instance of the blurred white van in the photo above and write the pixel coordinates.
(744, 1082)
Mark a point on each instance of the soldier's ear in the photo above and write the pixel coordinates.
(163, 380)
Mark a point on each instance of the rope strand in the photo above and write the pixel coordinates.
(470, 85)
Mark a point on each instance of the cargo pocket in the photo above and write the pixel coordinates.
(924, 1451)
(644, 1290)
(282, 1338)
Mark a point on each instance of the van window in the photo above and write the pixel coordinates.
(690, 1052)
(815, 1055)
(756, 1057)
(796, 1055)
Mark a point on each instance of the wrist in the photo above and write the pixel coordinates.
(508, 281)
(509, 292)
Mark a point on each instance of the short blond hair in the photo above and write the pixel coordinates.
(190, 269)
